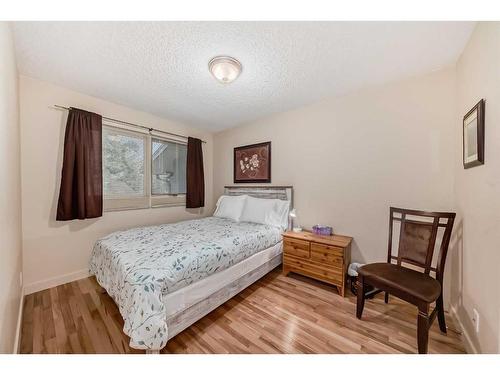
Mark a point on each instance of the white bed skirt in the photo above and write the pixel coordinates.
(183, 298)
(200, 298)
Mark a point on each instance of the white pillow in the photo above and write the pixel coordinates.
(266, 211)
(282, 211)
(255, 210)
(230, 207)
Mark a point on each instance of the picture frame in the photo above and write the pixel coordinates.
(252, 163)
(473, 136)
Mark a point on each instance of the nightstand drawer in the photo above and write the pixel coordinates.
(319, 247)
(328, 254)
(296, 248)
(315, 270)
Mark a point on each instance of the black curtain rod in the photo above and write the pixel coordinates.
(132, 124)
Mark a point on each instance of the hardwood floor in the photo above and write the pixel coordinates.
(277, 314)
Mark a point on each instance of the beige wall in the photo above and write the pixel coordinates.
(60, 251)
(349, 158)
(476, 262)
(10, 197)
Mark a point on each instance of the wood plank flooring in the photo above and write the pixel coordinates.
(277, 314)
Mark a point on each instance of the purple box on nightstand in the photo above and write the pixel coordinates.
(322, 230)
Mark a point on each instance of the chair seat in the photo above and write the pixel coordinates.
(413, 283)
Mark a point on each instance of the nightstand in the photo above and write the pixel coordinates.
(324, 258)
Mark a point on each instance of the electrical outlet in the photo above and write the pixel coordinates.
(475, 320)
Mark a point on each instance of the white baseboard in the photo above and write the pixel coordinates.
(17, 340)
(469, 345)
(55, 281)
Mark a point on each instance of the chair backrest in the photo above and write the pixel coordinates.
(417, 238)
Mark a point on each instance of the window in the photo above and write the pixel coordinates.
(168, 172)
(168, 169)
(141, 171)
(124, 164)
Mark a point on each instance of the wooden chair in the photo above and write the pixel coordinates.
(417, 240)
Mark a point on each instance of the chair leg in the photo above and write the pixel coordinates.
(361, 297)
(423, 330)
(386, 297)
(440, 313)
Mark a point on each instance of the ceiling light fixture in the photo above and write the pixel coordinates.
(225, 69)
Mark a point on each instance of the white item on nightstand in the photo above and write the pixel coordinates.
(293, 215)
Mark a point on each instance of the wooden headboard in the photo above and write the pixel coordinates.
(284, 193)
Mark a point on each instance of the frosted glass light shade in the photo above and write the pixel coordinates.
(225, 69)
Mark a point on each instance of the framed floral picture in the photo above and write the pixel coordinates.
(252, 163)
(473, 136)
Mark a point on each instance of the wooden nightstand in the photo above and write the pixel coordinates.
(325, 258)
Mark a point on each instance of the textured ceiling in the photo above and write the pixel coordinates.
(161, 67)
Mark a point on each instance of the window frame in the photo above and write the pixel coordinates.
(163, 200)
(149, 200)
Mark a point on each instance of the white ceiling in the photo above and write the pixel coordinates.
(161, 67)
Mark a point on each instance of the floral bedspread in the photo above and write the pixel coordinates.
(137, 267)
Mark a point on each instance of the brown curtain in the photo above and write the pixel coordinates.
(80, 196)
(195, 179)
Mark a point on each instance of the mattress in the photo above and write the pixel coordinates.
(141, 266)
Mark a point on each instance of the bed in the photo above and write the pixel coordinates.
(164, 278)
